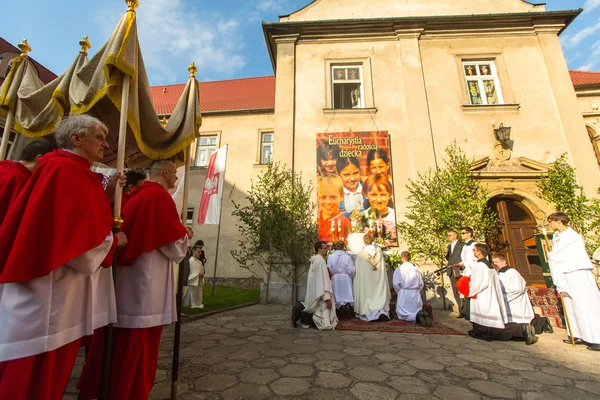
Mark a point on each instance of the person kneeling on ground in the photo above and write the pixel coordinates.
(516, 300)
(488, 311)
(408, 283)
(341, 268)
(318, 309)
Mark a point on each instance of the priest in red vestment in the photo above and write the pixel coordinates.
(15, 174)
(53, 245)
(146, 283)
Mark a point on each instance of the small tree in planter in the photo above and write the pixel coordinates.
(276, 225)
(559, 187)
(444, 198)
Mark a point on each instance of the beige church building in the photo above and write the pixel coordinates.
(427, 73)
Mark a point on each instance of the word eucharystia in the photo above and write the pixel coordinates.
(356, 141)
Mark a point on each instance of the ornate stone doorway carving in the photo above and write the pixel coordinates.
(517, 223)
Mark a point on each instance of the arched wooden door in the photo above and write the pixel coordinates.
(517, 224)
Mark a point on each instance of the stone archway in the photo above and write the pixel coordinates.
(517, 223)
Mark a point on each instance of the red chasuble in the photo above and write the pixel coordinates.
(150, 221)
(13, 177)
(61, 213)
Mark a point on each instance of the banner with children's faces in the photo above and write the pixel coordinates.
(354, 186)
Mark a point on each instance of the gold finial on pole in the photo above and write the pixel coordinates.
(24, 47)
(85, 45)
(193, 69)
(163, 122)
(132, 5)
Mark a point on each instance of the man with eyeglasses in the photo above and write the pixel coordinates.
(455, 266)
(318, 309)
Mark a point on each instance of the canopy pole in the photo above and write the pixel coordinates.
(106, 359)
(180, 279)
(10, 118)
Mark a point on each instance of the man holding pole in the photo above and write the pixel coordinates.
(145, 284)
(15, 174)
(52, 247)
(571, 270)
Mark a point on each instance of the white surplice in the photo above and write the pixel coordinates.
(319, 290)
(468, 258)
(488, 308)
(49, 312)
(408, 283)
(146, 289)
(514, 290)
(341, 268)
(571, 270)
(371, 286)
(196, 282)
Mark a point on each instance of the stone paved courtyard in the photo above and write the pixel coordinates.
(255, 353)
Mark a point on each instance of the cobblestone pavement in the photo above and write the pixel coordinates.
(255, 353)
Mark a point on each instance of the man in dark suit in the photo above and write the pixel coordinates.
(455, 266)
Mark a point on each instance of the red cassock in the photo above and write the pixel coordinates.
(145, 293)
(59, 222)
(13, 177)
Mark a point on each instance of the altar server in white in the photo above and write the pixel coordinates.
(571, 270)
(514, 290)
(488, 310)
(341, 268)
(408, 283)
(371, 286)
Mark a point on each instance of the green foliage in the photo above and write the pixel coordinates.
(559, 187)
(276, 225)
(392, 259)
(448, 197)
(225, 297)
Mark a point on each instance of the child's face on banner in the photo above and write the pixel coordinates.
(329, 201)
(328, 165)
(351, 177)
(378, 166)
(378, 199)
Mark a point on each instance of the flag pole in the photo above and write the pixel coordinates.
(219, 228)
(118, 221)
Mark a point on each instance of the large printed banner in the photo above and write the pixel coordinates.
(354, 190)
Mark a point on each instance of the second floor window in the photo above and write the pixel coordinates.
(347, 87)
(266, 148)
(482, 83)
(207, 145)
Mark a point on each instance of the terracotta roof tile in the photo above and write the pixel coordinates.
(585, 78)
(44, 73)
(231, 95)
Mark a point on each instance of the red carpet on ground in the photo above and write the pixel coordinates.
(395, 326)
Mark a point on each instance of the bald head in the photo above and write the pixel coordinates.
(164, 172)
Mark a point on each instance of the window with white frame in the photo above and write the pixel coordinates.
(266, 147)
(207, 145)
(189, 218)
(482, 82)
(347, 86)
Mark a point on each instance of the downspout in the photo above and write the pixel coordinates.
(294, 273)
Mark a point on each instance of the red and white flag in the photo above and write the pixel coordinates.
(212, 195)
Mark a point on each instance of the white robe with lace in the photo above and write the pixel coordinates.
(51, 311)
(514, 291)
(318, 290)
(408, 283)
(571, 270)
(371, 286)
(488, 308)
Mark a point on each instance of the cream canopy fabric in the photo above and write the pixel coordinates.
(95, 87)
